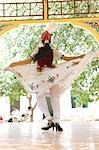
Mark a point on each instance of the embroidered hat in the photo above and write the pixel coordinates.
(51, 27)
(46, 37)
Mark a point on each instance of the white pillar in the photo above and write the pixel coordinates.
(37, 114)
(65, 105)
(5, 107)
(24, 103)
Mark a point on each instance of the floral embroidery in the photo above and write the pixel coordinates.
(51, 79)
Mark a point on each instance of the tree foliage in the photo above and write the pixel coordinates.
(87, 84)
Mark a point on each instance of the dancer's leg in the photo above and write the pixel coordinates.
(42, 104)
(55, 101)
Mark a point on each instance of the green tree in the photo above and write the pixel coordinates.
(10, 86)
(87, 84)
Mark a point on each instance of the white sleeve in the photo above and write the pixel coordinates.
(34, 52)
(57, 54)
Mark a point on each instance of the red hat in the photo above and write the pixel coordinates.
(46, 36)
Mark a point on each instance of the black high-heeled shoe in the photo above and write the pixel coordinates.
(58, 127)
(49, 126)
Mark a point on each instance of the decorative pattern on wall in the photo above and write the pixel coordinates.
(82, 13)
(72, 9)
(55, 9)
(26, 10)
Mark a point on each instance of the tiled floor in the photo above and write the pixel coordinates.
(29, 136)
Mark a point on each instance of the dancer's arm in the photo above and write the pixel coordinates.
(72, 58)
(27, 61)
(59, 55)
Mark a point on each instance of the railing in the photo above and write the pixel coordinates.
(72, 8)
(56, 9)
(23, 10)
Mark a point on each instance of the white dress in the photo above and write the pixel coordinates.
(63, 74)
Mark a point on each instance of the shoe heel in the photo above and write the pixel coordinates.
(58, 127)
(53, 126)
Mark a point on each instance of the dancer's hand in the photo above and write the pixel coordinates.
(12, 65)
(6, 69)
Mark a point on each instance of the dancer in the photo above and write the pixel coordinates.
(44, 57)
(47, 77)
